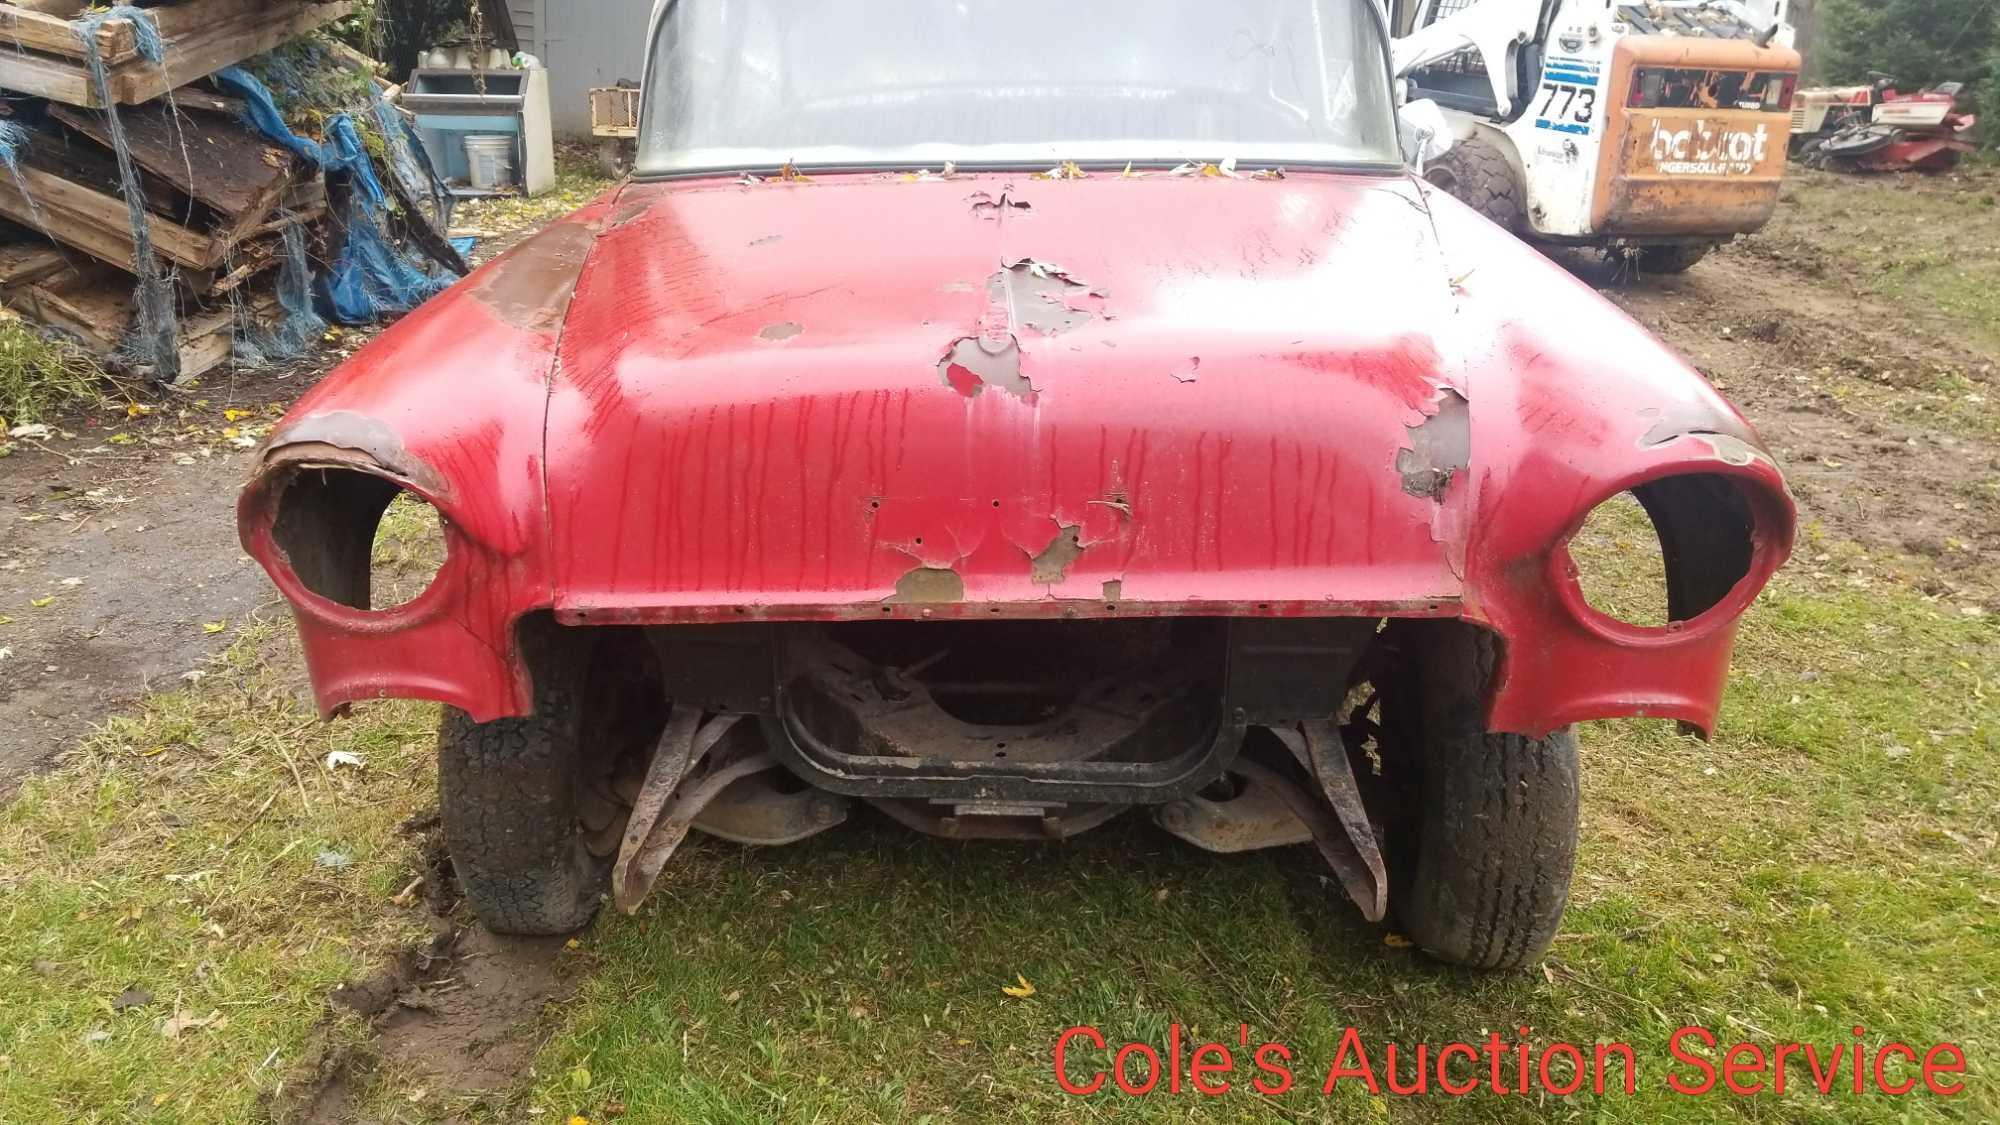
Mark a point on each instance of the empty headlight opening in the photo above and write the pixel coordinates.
(357, 539)
(1701, 547)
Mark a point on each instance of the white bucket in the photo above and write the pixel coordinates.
(490, 158)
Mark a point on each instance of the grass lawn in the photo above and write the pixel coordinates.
(1827, 861)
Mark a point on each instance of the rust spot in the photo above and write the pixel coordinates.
(343, 437)
(532, 285)
(986, 206)
(929, 584)
(783, 330)
(630, 209)
(1052, 565)
(1440, 448)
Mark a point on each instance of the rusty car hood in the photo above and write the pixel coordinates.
(777, 396)
(1009, 397)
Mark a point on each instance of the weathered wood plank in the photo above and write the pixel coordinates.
(96, 223)
(202, 38)
(222, 164)
(23, 26)
(202, 51)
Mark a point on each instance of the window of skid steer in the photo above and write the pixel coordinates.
(357, 539)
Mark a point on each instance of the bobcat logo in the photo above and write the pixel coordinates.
(1708, 150)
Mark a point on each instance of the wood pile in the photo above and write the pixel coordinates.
(218, 193)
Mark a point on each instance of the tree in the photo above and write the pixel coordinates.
(1919, 41)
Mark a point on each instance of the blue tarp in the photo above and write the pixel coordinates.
(369, 277)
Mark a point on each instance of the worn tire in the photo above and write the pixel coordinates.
(1476, 173)
(612, 159)
(1480, 871)
(507, 791)
(1673, 257)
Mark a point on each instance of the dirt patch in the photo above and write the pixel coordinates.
(1880, 404)
(116, 558)
(455, 1018)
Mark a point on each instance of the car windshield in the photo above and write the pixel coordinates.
(743, 84)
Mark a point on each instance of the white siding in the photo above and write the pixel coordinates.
(584, 43)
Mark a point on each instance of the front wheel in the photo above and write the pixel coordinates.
(1480, 857)
(511, 796)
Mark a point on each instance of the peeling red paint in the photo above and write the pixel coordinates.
(617, 439)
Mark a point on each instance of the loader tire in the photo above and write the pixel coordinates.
(508, 796)
(1673, 257)
(1476, 173)
(1480, 865)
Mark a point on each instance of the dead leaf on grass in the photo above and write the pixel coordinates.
(185, 1021)
(1020, 991)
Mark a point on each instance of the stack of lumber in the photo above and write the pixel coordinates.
(218, 193)
(203, 36)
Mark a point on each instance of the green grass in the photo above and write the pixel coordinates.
(1827, 861)
(41, 377)
(199, 852)
(1927, 244)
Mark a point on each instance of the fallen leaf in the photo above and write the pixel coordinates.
(42, 603)
(579, 1077)
(213, 627)
(1395, 941)
(1020, 991)
(184, 1021)
(338, 758)
(234, 415)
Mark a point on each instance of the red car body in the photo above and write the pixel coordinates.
(879, 396)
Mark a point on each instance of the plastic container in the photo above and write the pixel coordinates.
(490, 160)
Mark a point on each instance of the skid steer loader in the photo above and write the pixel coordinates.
(1652, 131)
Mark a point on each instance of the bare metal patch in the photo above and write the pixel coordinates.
(1026, 295)
(1113, 590)
(1043, 297)
(1052, 565)
(1440, 448)
(783, 330)
(929, 584)
(975, 362)
(532, 285)
(986, 206)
